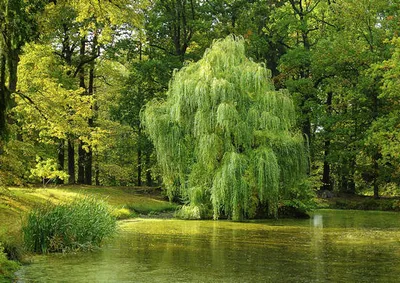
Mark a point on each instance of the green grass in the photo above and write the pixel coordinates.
(16, 202)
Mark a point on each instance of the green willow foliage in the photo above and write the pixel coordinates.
(224, 137)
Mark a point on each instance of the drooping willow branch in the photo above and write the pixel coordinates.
(224, 137)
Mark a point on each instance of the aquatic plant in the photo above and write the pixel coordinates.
(224, 136)
(80, 224)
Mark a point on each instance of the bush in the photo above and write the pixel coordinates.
(7, 267)
(293, 209)
(12, 244)
(79, 225)
(191, 212)
(396, 205)
(122, 213)
(151, 207)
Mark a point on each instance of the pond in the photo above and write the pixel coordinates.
(332, 246)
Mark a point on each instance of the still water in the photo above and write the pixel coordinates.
(332, 246)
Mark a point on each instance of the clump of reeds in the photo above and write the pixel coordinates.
(78, 225)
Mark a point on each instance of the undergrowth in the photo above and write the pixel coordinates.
(154, 207)
(7, 267)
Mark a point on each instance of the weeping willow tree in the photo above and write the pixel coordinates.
(224, 137)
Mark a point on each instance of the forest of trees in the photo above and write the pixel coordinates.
(75, 76)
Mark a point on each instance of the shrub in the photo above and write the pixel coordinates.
(396, 205)
(81, 224)
(293, 209)
(7, 267)
(122, 213)
(12, 243)
(151, 207)
(191, 212)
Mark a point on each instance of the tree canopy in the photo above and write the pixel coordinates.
(74, 76)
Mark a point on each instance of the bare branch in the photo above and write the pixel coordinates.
(162, 48)
(82, 63)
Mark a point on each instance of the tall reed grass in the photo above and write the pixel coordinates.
(78, 225)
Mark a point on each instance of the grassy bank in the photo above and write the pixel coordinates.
(357, 202)
(15, 203)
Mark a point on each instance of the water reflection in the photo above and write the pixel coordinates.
(317, 221)
(361, 248)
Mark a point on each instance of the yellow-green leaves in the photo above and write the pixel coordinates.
(47, 170)
(49, 101)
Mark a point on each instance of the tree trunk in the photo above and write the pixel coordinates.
(13, 70)
(149, 179)
(71, 162)
(97, 174)
(89, 153)
(81, 151)
(81, 163)
(139, 166)
(346, 176)
(61, 158)
(326, 178)
(376, 154)
(88, 166)
(375, 181)
(3, 96)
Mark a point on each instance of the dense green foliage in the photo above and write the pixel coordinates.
(225, 136)
(80, 225)
(74, 76)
